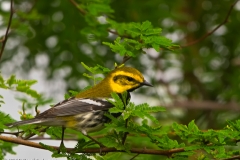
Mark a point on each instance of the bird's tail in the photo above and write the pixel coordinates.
(29, 121)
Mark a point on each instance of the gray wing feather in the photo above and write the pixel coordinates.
(74, 106)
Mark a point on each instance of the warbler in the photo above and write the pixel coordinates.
(86, 111)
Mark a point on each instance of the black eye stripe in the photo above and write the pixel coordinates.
(122, 77)
(130, 78)
(115, 78)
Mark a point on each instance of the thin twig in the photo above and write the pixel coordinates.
(77, 6)
(125, 59)
(4, 40)
(211, 32)
(83, 12)
(33, 134)
(116, 33)
(135, 156)
(92, 150)
(125, 134)
(12, 133)
(36, 110)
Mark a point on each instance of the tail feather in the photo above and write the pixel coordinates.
(41, 121)
(29, 121)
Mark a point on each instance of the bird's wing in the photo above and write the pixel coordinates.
(74, 106)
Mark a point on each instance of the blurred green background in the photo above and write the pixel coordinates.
(49, 39)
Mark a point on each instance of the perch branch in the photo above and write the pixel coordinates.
(92, 150)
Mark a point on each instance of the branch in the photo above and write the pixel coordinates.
(232, 158)
(75, 139)
(4, 39)
(211, 32)
(207, 105)
(92, 150)
(22, 142)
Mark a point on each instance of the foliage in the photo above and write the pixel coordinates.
(23, 86)
(54, 37)
(140, 36)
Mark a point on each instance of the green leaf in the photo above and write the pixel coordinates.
(1, 101)
(88, 76)
(143, 111)
(121, 47)
(104, 69)
(4, 120)
(90, 69)
(72, 94)
(55, 132)
(146, 25)
(114, 140)
(11, 80)
(126, 115)
(156, 31)
(98, 69)
(118, 103)
(98, 78)
(193, 127)
(6, 147)
(47, 147)
(1, 79)
(117, 124)
(183, 154)
(83, 143)
(2, 82)
(115, 110)
(33, 15)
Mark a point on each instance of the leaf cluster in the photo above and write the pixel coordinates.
(214, 142)
(23, 86)
(137, 36)
(98, 69)
(127, 123)
(19, 85)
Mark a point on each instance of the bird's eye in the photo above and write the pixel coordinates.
(130, 79)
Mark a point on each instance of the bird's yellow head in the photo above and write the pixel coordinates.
(126, 79)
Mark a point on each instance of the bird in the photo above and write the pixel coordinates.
(86, 111)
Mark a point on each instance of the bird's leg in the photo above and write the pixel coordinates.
(62, 144)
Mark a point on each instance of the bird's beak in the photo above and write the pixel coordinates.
(146, 83)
